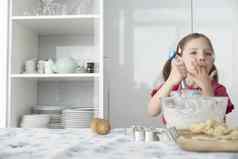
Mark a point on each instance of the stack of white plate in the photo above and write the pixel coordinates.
(55, 113)
(35, 121)
(56, 121)
(77, 117)
(55, 118)
(56, 125)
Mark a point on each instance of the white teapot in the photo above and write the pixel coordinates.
(65, 65)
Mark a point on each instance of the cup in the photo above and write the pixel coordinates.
(30, 66)
(49, 66)
(41, 66)
(90, 67)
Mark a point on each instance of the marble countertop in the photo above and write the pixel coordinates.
(18, 143)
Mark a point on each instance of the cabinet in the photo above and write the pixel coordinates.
(71, 34)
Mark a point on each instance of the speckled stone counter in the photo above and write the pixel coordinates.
(16, 143)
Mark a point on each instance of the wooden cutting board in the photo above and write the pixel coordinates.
(203, 143)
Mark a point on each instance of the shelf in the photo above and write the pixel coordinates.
(81, 16)
(57, 77)
(66, 24)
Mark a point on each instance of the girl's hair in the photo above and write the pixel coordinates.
(179, 50)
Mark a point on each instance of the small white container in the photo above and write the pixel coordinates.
(139, 135)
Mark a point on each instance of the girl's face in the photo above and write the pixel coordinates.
(199, 50)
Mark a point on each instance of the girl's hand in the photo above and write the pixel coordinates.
(199, 74)
(178, 71)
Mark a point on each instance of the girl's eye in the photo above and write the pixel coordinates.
(208, 53)
(193, 53)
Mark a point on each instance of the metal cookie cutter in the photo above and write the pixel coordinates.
(167, 134)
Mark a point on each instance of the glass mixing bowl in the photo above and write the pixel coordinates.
(182, 112)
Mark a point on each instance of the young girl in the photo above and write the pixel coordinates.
(194, 62)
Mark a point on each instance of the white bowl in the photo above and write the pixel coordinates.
(182, 112)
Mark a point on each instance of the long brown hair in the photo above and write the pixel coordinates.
(179, 50)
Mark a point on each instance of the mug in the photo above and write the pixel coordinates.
(41, 66)
(49, 66)
(90, 67)
(30, 66)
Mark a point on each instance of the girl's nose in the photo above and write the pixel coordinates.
(202, 59)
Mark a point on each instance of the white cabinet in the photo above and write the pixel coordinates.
(74, 34)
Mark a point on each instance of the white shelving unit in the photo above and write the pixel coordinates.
(54, 36)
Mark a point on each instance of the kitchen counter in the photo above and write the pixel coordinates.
(17, 143)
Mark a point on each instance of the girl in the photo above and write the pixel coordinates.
(194, 62)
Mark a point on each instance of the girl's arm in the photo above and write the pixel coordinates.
(177, 74)
(207, 88)
(154, 107)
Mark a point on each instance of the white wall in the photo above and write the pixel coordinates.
(3, 61)
(219, 20)
(138, 35)
(218, 25)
